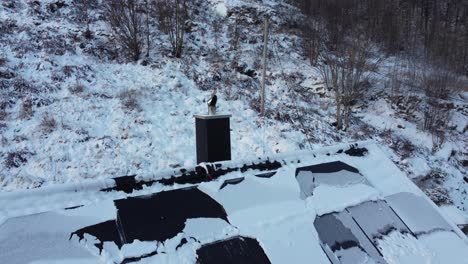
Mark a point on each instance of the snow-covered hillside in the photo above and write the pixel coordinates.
(73, 108)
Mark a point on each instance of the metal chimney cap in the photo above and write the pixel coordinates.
(211, 116)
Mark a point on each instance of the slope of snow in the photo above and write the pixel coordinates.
(137, 118)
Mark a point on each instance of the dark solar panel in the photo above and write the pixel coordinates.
(337, 174)
(343, 241)
(104, 232)
(232, 251)
(162, 216)
(377, 219)
(417, 213)
(333, 233)
(329, 167)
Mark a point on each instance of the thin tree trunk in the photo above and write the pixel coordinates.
(148, 44)
(339, 121)
(347, 111)
(265, 46)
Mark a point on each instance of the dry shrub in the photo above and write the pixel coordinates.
(68, 70)
(406, 148)
(48, 124)
(439, 85)
(26, 109)
(22, 86)
(15, 159)
(3, 61)
(3, 112)
(438, 195)
(77, 88)
(255, 105)
(129, 100)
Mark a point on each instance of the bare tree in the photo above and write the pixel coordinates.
(313, 41)
(235, 35)
(84, 11)
(147, 22)
(394, 81)
(346, 70)
(173, 15)
(127, 24)
(161, 11)
(436, 30)
(438, 85)
(217, 25)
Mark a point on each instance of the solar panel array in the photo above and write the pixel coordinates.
(353, 235)
(350, 235)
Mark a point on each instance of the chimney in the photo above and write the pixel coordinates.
(213, 134)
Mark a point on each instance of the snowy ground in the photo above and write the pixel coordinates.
(136, 119)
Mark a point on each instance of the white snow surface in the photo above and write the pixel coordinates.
(327, 199)
(356, 255)
(43, 238)
(398, 248)
(446, 248)
(457, 216)
(419, 166)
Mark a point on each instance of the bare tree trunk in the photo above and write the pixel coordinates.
(339, 120)
(265, 47)
(236, 35)
(347, 115)
(148, 44)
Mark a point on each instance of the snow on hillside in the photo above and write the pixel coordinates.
(74, 109)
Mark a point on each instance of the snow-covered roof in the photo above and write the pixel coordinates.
(339, 204)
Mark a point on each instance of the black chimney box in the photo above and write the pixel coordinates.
(213, 138)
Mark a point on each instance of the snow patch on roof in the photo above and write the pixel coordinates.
(398, 248)
(457, 216)
(329, 199)
(447, 247)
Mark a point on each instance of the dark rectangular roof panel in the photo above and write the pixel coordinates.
(162, 216)
(328, 167)
(377, 219)
(104, 232)
(233, 251)
(340, 234)
(334, 174)
(417, 213)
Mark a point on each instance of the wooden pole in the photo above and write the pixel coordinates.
(265, 47)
